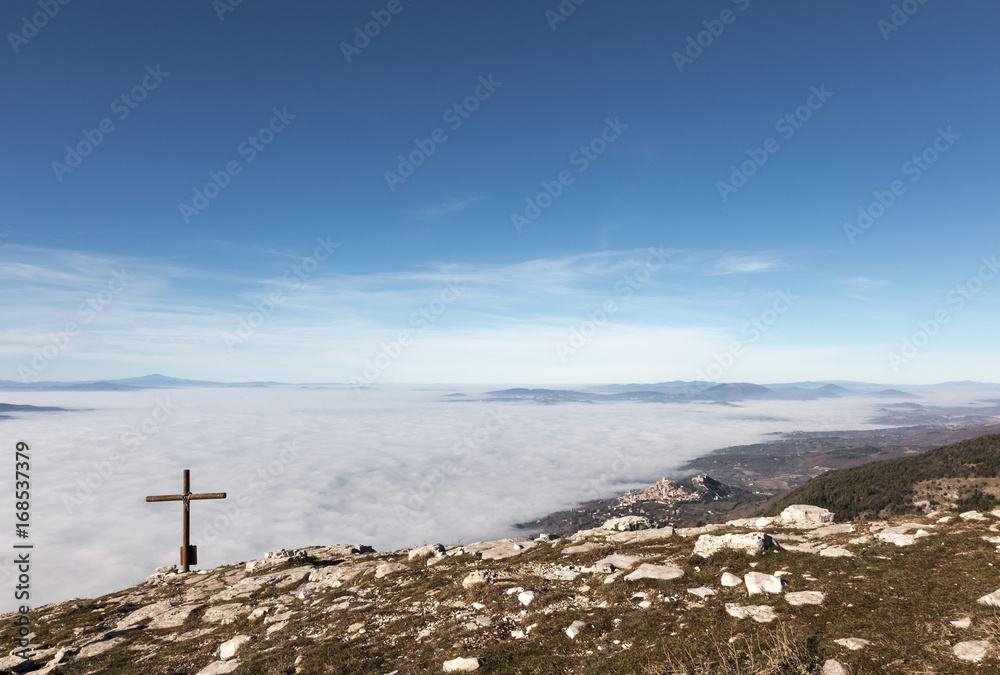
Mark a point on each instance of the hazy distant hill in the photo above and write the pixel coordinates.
(125, 384)
(735, 391)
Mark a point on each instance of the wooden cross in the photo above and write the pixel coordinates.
(189, 554)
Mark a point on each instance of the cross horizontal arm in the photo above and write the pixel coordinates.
(177, 498)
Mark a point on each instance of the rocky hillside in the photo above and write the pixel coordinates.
(964, 474)
(797, 593)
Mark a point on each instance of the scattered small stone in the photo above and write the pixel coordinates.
(961, 623)
(574, 628)
(836, 552)
(730, 580)
(702, 592)
(526, 597)
(854, 644)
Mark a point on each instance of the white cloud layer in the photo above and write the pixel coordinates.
(391, 468)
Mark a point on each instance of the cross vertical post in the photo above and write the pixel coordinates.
(187, 520)
(188, 552)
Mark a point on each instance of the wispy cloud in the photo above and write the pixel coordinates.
(446, 208)
(175, 317)
(744, 265)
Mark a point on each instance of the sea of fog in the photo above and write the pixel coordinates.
(392, 468)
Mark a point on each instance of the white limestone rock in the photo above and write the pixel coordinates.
(228, 649)
(730, 580)
(525, 597)
(750, 522)
(219, 668)
(483, 577)
(836, 552)
(574, 628)
(225, 614)
(692, 531)
(991, 599)
(805, 598)
(972, 515)
(431, 550)
(962, 623)
(751, 542)
(833, 667)
(759, 613)
(702, 592)
(853, 643)
(610, 563)
(899, 535)
(387, 568)
(635, 536)
(627, 524)
(662, 572)
(972, 650)
(827, 530)
(758, 582)
(463, 664)
(803, 515)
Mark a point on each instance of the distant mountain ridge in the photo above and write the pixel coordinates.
(693, 391)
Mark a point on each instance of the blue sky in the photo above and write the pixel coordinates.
(642, 268)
